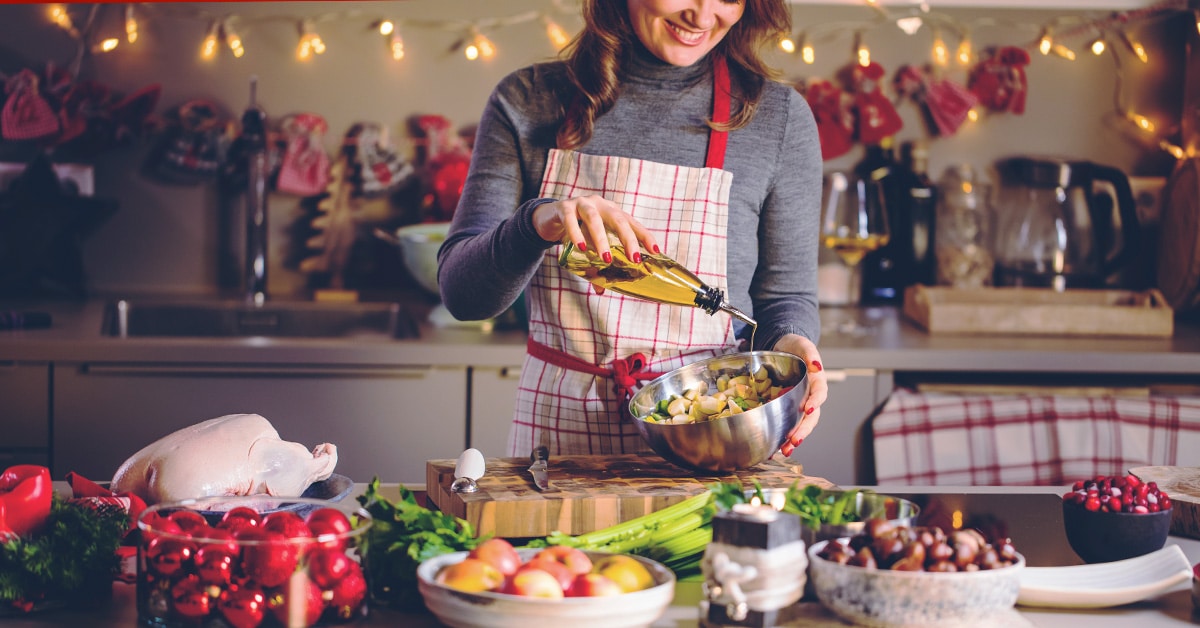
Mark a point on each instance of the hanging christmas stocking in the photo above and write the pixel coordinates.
(877, 118)
(948, 103)
(999, 82)
(835, 122)
(26, 114)
(381, 167)
(305, 167)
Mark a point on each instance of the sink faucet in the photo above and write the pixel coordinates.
(254, 134)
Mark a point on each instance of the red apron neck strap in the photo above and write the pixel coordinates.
(720, 113)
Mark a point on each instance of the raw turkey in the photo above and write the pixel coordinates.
(237, 454)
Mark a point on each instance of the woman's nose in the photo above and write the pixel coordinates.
(704, 15)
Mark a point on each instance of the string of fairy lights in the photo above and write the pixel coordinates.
(1104, 34)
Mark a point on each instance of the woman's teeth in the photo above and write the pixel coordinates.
(687, 37)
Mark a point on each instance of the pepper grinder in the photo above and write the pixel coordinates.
(754, 569)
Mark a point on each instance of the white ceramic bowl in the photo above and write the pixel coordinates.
(460, 609)
(890, 599)
(419, 246)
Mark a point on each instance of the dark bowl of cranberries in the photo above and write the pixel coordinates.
(1110, 518)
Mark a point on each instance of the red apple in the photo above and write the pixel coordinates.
(500, 553)
(470, 574)
(593, 585)
(533, 582)
(555, 568)
(572, 558)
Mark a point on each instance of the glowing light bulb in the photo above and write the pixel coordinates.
(861, 51)
(1135, 47)
(910, 25)
(557, 35)
(787, 44)
(108, 45)
(808, 53)
(131, 24)
(208, 48)
(480, 47)
(965, 54)
(387, 27)
(1175, 151)
(1046, 42)
(1064, 52)
(310, 43)
(1098, 46)
(1142, 122)
(396, 45)
(59, 15)
(941, 56)
(973, 114)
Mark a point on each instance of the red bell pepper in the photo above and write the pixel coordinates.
(26, 494)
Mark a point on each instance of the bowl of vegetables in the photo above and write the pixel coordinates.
(826, 513)
(723, 413)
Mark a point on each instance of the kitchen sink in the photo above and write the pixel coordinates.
(224, 319)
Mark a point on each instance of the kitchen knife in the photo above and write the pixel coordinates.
(541, 477)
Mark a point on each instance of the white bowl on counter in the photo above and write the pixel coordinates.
(486, 609)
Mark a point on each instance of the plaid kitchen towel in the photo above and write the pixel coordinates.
(965, 440)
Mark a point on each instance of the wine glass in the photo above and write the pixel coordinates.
(853, 223)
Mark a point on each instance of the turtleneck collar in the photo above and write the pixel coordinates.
(641, 66)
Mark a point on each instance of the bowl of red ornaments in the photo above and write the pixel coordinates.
(1110, 518)
(262, 563)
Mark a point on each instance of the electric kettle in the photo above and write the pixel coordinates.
(1063, 224)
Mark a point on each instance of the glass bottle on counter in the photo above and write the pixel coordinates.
(964, 256)
(656, 278)
(882, 269)
(920, 196)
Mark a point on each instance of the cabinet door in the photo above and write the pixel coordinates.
(385, 421)
(836, 450)
(493, 396)
(24, 413)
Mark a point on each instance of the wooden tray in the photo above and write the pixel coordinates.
(1182, 485)
(1039, 311)
(592, 492)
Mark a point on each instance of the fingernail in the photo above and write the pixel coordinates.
(809, 411)
(796, 443)
(607, 257)
(786, 449)
(582, 246)
(637, 257)
(817, 364)
(656, 249)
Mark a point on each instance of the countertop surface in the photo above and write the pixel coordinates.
(884, 339)
(1171, 608)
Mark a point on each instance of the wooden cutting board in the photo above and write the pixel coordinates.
(592, 492)
(1182, 485)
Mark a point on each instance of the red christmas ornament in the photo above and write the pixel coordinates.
(167, 556)
(268, 558)
(214, 565)
(189, 597)
(244, 607)
(349, 594)
(330, 527)
(189, 521)
(999, 82)
(240, 517)
(835, 121)
(292, 612)
(877, 118)
(327, 567)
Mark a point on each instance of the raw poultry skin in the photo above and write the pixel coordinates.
(237, 454)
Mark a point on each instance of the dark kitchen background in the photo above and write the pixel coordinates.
(175, 238)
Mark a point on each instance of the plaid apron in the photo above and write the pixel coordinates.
(581, 343)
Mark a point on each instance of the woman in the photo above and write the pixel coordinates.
(661, 125)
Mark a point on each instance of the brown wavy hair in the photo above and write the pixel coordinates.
(593, 61)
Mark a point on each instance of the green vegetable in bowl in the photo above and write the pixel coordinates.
(814, 505)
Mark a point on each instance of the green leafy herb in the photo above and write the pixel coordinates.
(72, 558)
(816, 506)
(404, 534)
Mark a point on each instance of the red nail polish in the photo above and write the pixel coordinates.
(786, 449)
(817, 364)
(607, 257)
(637, 258)
(656, 249)
(582, 246)
(809, 411)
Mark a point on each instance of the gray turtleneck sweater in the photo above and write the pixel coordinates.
(774, 207)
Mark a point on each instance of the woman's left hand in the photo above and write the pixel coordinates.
(818, 388)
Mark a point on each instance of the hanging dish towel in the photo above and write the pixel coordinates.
(966, 440)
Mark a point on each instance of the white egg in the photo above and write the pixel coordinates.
(470, 464)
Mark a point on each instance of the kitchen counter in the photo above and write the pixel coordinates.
(1173, 608)
(892, 344)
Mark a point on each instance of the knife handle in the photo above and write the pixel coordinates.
(541, 452)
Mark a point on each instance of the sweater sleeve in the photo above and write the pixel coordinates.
(492, 249)
(784, 289)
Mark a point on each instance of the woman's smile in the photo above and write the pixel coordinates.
(681, 32)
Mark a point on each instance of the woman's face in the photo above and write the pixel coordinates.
(681, 32)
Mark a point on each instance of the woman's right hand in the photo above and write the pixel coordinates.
(585, 220)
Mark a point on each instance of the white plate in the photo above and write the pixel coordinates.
(1105, 584)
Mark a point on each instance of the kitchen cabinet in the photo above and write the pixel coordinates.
(493, 396)
(24, 413)
(385, 420)
(838, 450)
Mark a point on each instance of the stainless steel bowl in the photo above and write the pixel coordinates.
(736, 442)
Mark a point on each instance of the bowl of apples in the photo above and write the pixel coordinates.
(496, 585)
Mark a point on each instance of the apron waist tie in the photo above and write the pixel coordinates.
(625, 372)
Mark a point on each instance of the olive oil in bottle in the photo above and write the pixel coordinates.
(657, 278)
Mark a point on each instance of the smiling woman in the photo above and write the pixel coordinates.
(681, 32)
